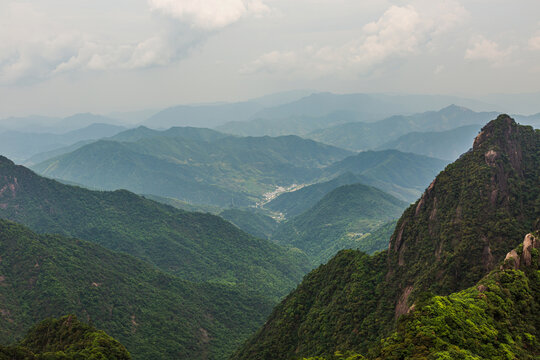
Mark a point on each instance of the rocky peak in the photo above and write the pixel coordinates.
(514, 260)
(497, 133)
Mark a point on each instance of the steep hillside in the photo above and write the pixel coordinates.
(448, 145)
(226, 171)
(155, 315)
(66, 337)
(495, 319)
(364, 136)
(403, 175)
(473, 213)
(195, 246)
(296, 202)
(340, 220)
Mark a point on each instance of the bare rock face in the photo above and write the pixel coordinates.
(514, 261)
(529, 243)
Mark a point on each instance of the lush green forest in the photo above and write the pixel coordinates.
(469, 218)
(65, 338)
(340, 220)
(495, 319)
(154, 314)
(194, 246)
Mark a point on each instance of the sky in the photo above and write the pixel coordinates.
(59, 57)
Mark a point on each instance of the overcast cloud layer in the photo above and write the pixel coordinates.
(68, 56)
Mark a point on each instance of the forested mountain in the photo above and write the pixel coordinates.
(403, 175)
(195, 246)
(468, 219)
(296, 202)
(448, 145)
(364, 136)
(155, 315)
(223, 172)
(340, 220)
(63, 338)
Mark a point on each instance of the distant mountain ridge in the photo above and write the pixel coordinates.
(223, 172)
(362, 136)
(448, 145)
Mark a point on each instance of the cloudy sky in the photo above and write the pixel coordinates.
(58, 57)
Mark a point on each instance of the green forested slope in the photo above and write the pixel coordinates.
(226, 171)
(155, 315)
(472, 215)
(195, 246)
(495, 319)
(65, 338)
(340, 220)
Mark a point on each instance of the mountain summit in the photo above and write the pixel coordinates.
(462, 227)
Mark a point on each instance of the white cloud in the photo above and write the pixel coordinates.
(208, 14)
(37, 47)
(400, 31)
(487, 50)
(534, 43)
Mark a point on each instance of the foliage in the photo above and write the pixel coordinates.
(197, 247)
(155, 315)
(340, 220)
(496, 319)
(66, 338)
(333, 309)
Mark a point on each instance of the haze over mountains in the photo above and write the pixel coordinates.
(179, 234)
